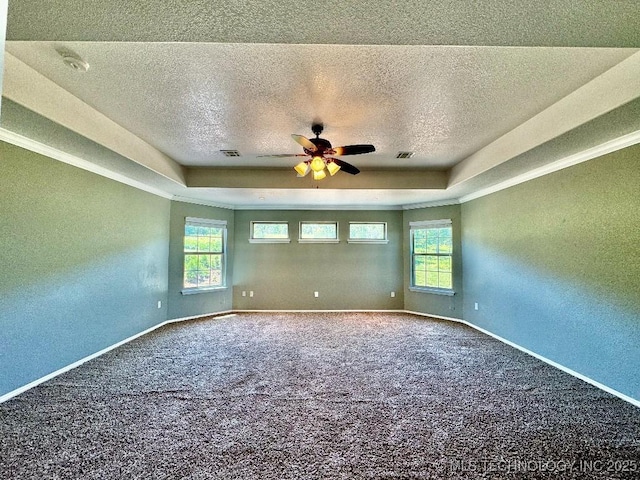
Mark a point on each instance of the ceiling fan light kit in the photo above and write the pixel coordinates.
(317, 148)
(302, 168)
(317, 164)
(333, 168)
(319, 175)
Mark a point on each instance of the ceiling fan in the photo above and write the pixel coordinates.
(321, 153)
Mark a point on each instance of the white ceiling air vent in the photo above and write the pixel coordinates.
(404, 155)
(231, 153)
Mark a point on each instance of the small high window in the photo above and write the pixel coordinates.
(368, 232)
(269, 232)
(319, 232)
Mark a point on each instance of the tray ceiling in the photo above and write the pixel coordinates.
(200, 87)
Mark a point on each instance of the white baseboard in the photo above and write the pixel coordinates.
(230, 313)
(573, 373)
(224, 314)
(75, 364)
(320, 311)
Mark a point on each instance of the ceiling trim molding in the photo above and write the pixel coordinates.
(64, 157)
(32, 90)
(611, 146)
(435, 203)
(206, 203)
(319, 207)
(608, 91)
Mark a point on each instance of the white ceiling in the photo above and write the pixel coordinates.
(182, 97)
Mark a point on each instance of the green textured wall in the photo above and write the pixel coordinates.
(181, 306)
(83, 261)
(554, 265)
(431, 303)
(3, 27)
(346, 275)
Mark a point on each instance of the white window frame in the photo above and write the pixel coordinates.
(206, 222)
(318, 240)
(368, 240)
(252, 238)
(428, 224)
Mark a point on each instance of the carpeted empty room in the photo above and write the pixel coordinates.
(317, 396)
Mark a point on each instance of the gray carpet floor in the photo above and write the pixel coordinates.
(317, 396)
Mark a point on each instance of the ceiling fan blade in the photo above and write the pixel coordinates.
(283, 155)
(345, 167)
(353, 149)
(305, 142)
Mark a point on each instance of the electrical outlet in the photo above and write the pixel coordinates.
(251, 293)
(244, 293)
(159, 303)
(393, 294)
(316, 294)
(475, 306)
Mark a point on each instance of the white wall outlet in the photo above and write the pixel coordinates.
(159, 303)
(316, 294)
(475, 306)
(393, 294)
(244, 293)
(251, 293)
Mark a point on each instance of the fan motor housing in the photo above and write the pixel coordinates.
(321, 144)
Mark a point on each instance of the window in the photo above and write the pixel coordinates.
(319, 232)
(368, 232)
(269, 232)
(431, 256)
(204, 254)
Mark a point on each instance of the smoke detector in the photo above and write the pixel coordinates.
(76, 63)
(73, 60)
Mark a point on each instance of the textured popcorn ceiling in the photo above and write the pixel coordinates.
(441, 79)
(590, 23)
(192, 100)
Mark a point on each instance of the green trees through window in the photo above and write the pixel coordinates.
(269, 230)
(367, 231)
(204, 250)
(431, 253)
(318, 230)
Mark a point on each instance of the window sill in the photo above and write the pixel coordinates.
(368, 241)
(192, 291)
(318, 240)
(269, 240)
(435, 291)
